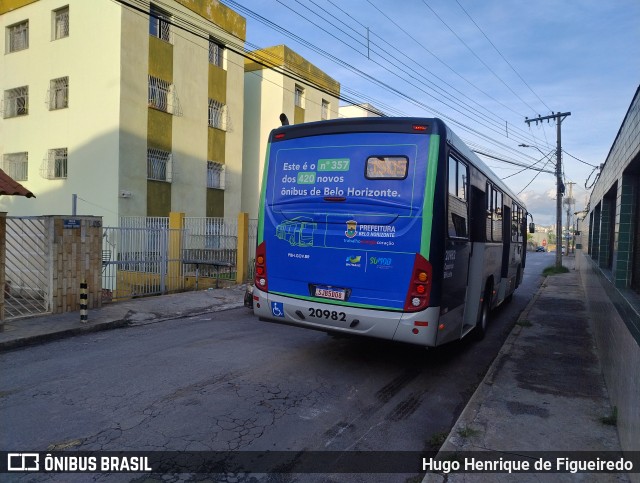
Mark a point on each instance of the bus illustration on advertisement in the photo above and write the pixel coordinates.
(416, 239)
(298, 232)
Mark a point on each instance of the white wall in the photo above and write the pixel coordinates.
(88, 127)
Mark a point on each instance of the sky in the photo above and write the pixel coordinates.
(483, 67)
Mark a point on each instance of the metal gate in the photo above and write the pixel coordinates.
(28, 270)
(139, 261)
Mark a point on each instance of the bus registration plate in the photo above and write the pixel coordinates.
(330, 293)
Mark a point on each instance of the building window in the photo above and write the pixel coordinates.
(16, 102)
(159, 93)
(159, 24)
(17, 37)
(299, 97)
(55, 164)
(215, 175)
(159, 165)
(217, 114)
(60, 19)
(216, 53)
(59, 93)
(325, 110)
(16, 165)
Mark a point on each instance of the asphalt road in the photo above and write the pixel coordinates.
(227, 381)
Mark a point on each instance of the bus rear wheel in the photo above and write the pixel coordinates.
(483, 317)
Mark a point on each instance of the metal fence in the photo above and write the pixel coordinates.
(144, 257)
(28, 266)
(138, 261)
(253, 243)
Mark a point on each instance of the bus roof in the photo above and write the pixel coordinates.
(390, 124)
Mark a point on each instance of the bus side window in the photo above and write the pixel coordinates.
(458, 199)
(497, 216)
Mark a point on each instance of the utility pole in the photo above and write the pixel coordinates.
(559, 117)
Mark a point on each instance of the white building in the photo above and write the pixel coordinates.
(279, 81)
(360, 110)
(118, 105)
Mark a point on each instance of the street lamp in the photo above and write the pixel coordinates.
(559, 193)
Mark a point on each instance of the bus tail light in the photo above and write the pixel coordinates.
(260, 278)
(419, 285)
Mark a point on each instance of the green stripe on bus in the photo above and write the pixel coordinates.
(429, 194)
(263, 195)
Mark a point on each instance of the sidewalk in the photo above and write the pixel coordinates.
(544, 392)
(146, 310)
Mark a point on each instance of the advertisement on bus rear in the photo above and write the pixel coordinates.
(343, 216)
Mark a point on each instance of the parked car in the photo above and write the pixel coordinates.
(541, 249)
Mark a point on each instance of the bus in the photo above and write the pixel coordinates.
(384, 227)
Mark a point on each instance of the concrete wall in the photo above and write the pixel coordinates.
(619, 351)
(609, 264)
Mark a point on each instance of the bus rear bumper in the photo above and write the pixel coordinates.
(419, 328)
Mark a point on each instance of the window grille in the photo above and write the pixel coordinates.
(162, 96)
(159, 93)
(16, 102)
(325, 109)
(18, 37)
(59, 93)
(16, 165)
(159, 24)
(299, 97)
(54, 166)
(216, 53)
(215, 175)
(217, 114)
(159, 165)
(61, 23)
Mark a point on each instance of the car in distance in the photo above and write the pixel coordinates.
(541, 249)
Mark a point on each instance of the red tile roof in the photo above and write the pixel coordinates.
(9, 186)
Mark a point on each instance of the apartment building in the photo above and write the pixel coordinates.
(134, 106)
(279, 81)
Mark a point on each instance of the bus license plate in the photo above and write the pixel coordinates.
(330, 293)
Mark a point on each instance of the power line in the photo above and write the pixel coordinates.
(478, 57)
(503, 57)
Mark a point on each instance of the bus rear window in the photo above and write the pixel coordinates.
(387, 167)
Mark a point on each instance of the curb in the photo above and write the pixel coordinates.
(468, 414)
(89, 328)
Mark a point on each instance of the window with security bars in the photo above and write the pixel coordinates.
(16, 102)
(159, 24)
(217, 114)
(17, 37)
(60, 23)
(159, 166)
(325, 110)
(299, 97)
(159, 91)
(16, 165)
(216, 52)
(59, 93)
(215, 175)
(54, 165)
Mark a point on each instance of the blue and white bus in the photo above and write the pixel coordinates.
(384, 227)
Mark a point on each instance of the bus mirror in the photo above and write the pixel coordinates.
(532, 227)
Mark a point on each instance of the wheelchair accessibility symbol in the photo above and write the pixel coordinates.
(277, 309)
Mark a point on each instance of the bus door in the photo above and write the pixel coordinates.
(457, 250)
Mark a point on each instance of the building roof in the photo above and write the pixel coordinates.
(9, 186)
